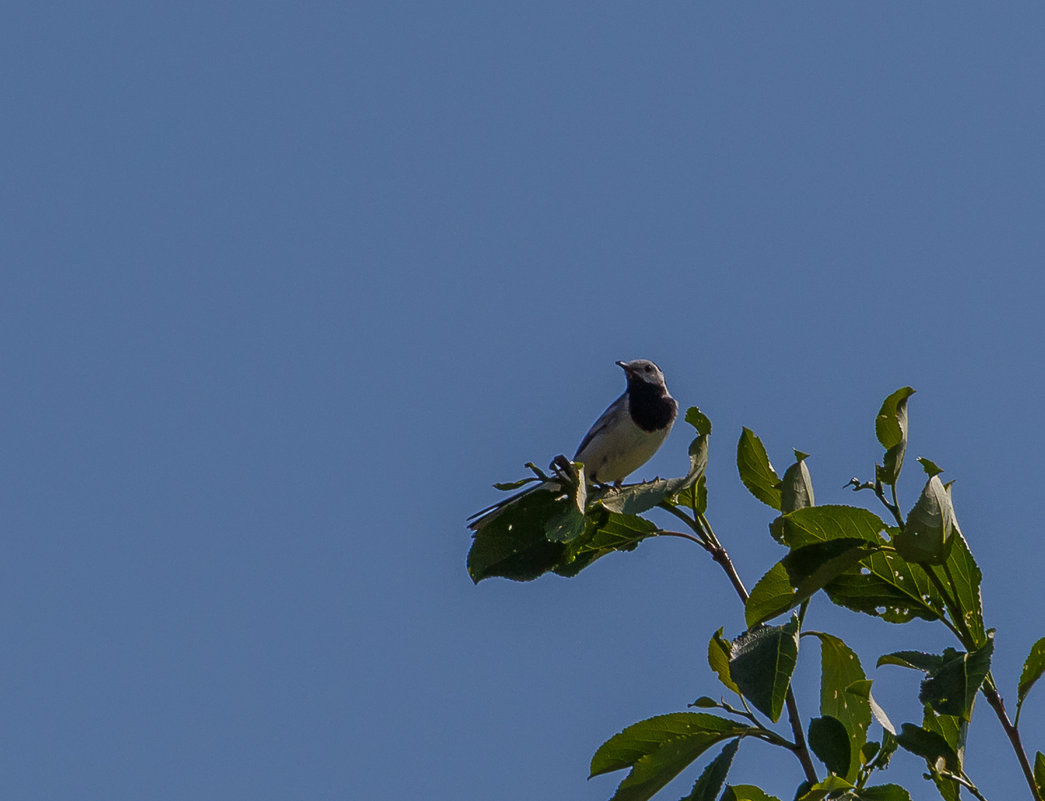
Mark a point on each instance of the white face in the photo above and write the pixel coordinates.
(644, 370)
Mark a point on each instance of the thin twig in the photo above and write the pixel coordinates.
(990, 692)
(965, 782)
(661, 532)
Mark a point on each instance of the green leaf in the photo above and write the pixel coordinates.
(705, 702)
(889, 587)
(830, 741)
(930, 467)
(568, 523)
(607, 533)
(917, 660)
(951, 687)
(747, 792)
(953, 679)
(831, 787)
(884, 585)
(756, 472)
(951, 728)
(823, 523)
(862, 689)
(796, 487)
(761, 663)
(698, 420)
(1033, 667)
(714, 775)
(719, 649)
(695, 497)
(658, 749)
(772, 595)
(883, 792)
(800, 574)
(884, 753)
(928, 535)
(839, 669)
(964, 571)
(506, 486)
(1039, 771)
(929, 745)
(890, 426)
(511, 542)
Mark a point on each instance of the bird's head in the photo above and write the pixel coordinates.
(644, 371)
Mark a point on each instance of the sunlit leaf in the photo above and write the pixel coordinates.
(694, 498)
(800, 574)
(962, 568)
(658, 749)
(862, 689)
(719, 649)
(889, 587)
(832, 522)
(747, 792)
(1033, 667)
(831, 787)
(839, 669)
(756, 471)
(699, 421)
(951, 728)
(890, 427)
(930, 467)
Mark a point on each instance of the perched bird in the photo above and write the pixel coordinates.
(632, 428)
(623, 439)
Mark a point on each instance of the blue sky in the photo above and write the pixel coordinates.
(286, 287)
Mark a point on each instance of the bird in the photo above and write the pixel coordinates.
(632, 428)
(623, 439)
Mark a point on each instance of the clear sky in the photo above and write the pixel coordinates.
(286, 286)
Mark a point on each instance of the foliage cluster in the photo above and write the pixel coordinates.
(916, 565)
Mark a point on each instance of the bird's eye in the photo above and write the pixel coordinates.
(648, 369)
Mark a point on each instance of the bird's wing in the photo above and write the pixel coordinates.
(605, 420)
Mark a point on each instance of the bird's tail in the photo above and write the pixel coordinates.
(544, 482)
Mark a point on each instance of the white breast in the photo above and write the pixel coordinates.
(619, 451)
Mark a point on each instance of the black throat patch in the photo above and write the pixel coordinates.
(650, 408)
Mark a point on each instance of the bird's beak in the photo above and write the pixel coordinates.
(623, 366)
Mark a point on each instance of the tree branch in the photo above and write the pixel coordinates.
(990, 692)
